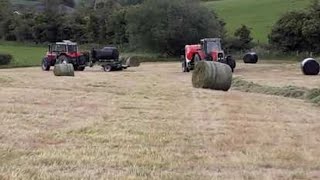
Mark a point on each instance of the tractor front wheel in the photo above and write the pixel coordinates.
(231, 62)
(45, 65)
(79, 68)
(185, 67)
(196, 59)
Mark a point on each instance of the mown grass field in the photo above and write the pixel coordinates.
(150, 123)
(260, 15)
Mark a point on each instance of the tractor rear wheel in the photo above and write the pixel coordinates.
(45, 65)
(107, 68)
(81, 68)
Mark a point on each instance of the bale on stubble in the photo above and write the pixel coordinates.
(310, 66)
(212, 75)
(63, 70)
(133, 62)
(250, 58)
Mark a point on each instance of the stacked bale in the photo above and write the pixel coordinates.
(212, 75)
(251, 58)
(310, 66)
(133, 62)
(63, 70)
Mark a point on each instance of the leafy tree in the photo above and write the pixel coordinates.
(286, 34)
(23, 29)
(244, 36)
(117, 28)
(168, 25)
(69, 3)
(311, 26)
(298, 31)
(5, 8)
(130, 2)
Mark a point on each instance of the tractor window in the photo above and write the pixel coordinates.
(72, 48)
(58, 48)
(213, 46)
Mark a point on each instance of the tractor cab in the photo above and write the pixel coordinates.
(66, 46)
(211, 47)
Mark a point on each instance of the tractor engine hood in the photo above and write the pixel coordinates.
(74, 54)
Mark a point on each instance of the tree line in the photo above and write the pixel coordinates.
(164, 26)
(298, 30)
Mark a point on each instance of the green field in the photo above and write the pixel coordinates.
(24, 2)
(259, 15)
(24, 55)
(27, 55)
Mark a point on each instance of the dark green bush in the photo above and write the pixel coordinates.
(5, 59)
(166, 26)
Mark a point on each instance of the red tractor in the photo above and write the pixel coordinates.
(64, 52)
(209, 49)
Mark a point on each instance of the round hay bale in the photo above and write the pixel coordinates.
(212, 75)
(251, 58)
(310, 66)
(133, 62)
(123, 60)
(63, 70)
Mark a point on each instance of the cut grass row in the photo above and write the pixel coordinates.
(311, 95)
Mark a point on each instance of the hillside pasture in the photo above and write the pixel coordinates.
(260, 15)
(150, 123)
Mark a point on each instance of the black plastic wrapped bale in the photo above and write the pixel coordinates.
(106, 53)
(251, 58)
(212, 75)
(310, 66)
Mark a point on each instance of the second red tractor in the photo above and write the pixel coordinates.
(209, 49)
